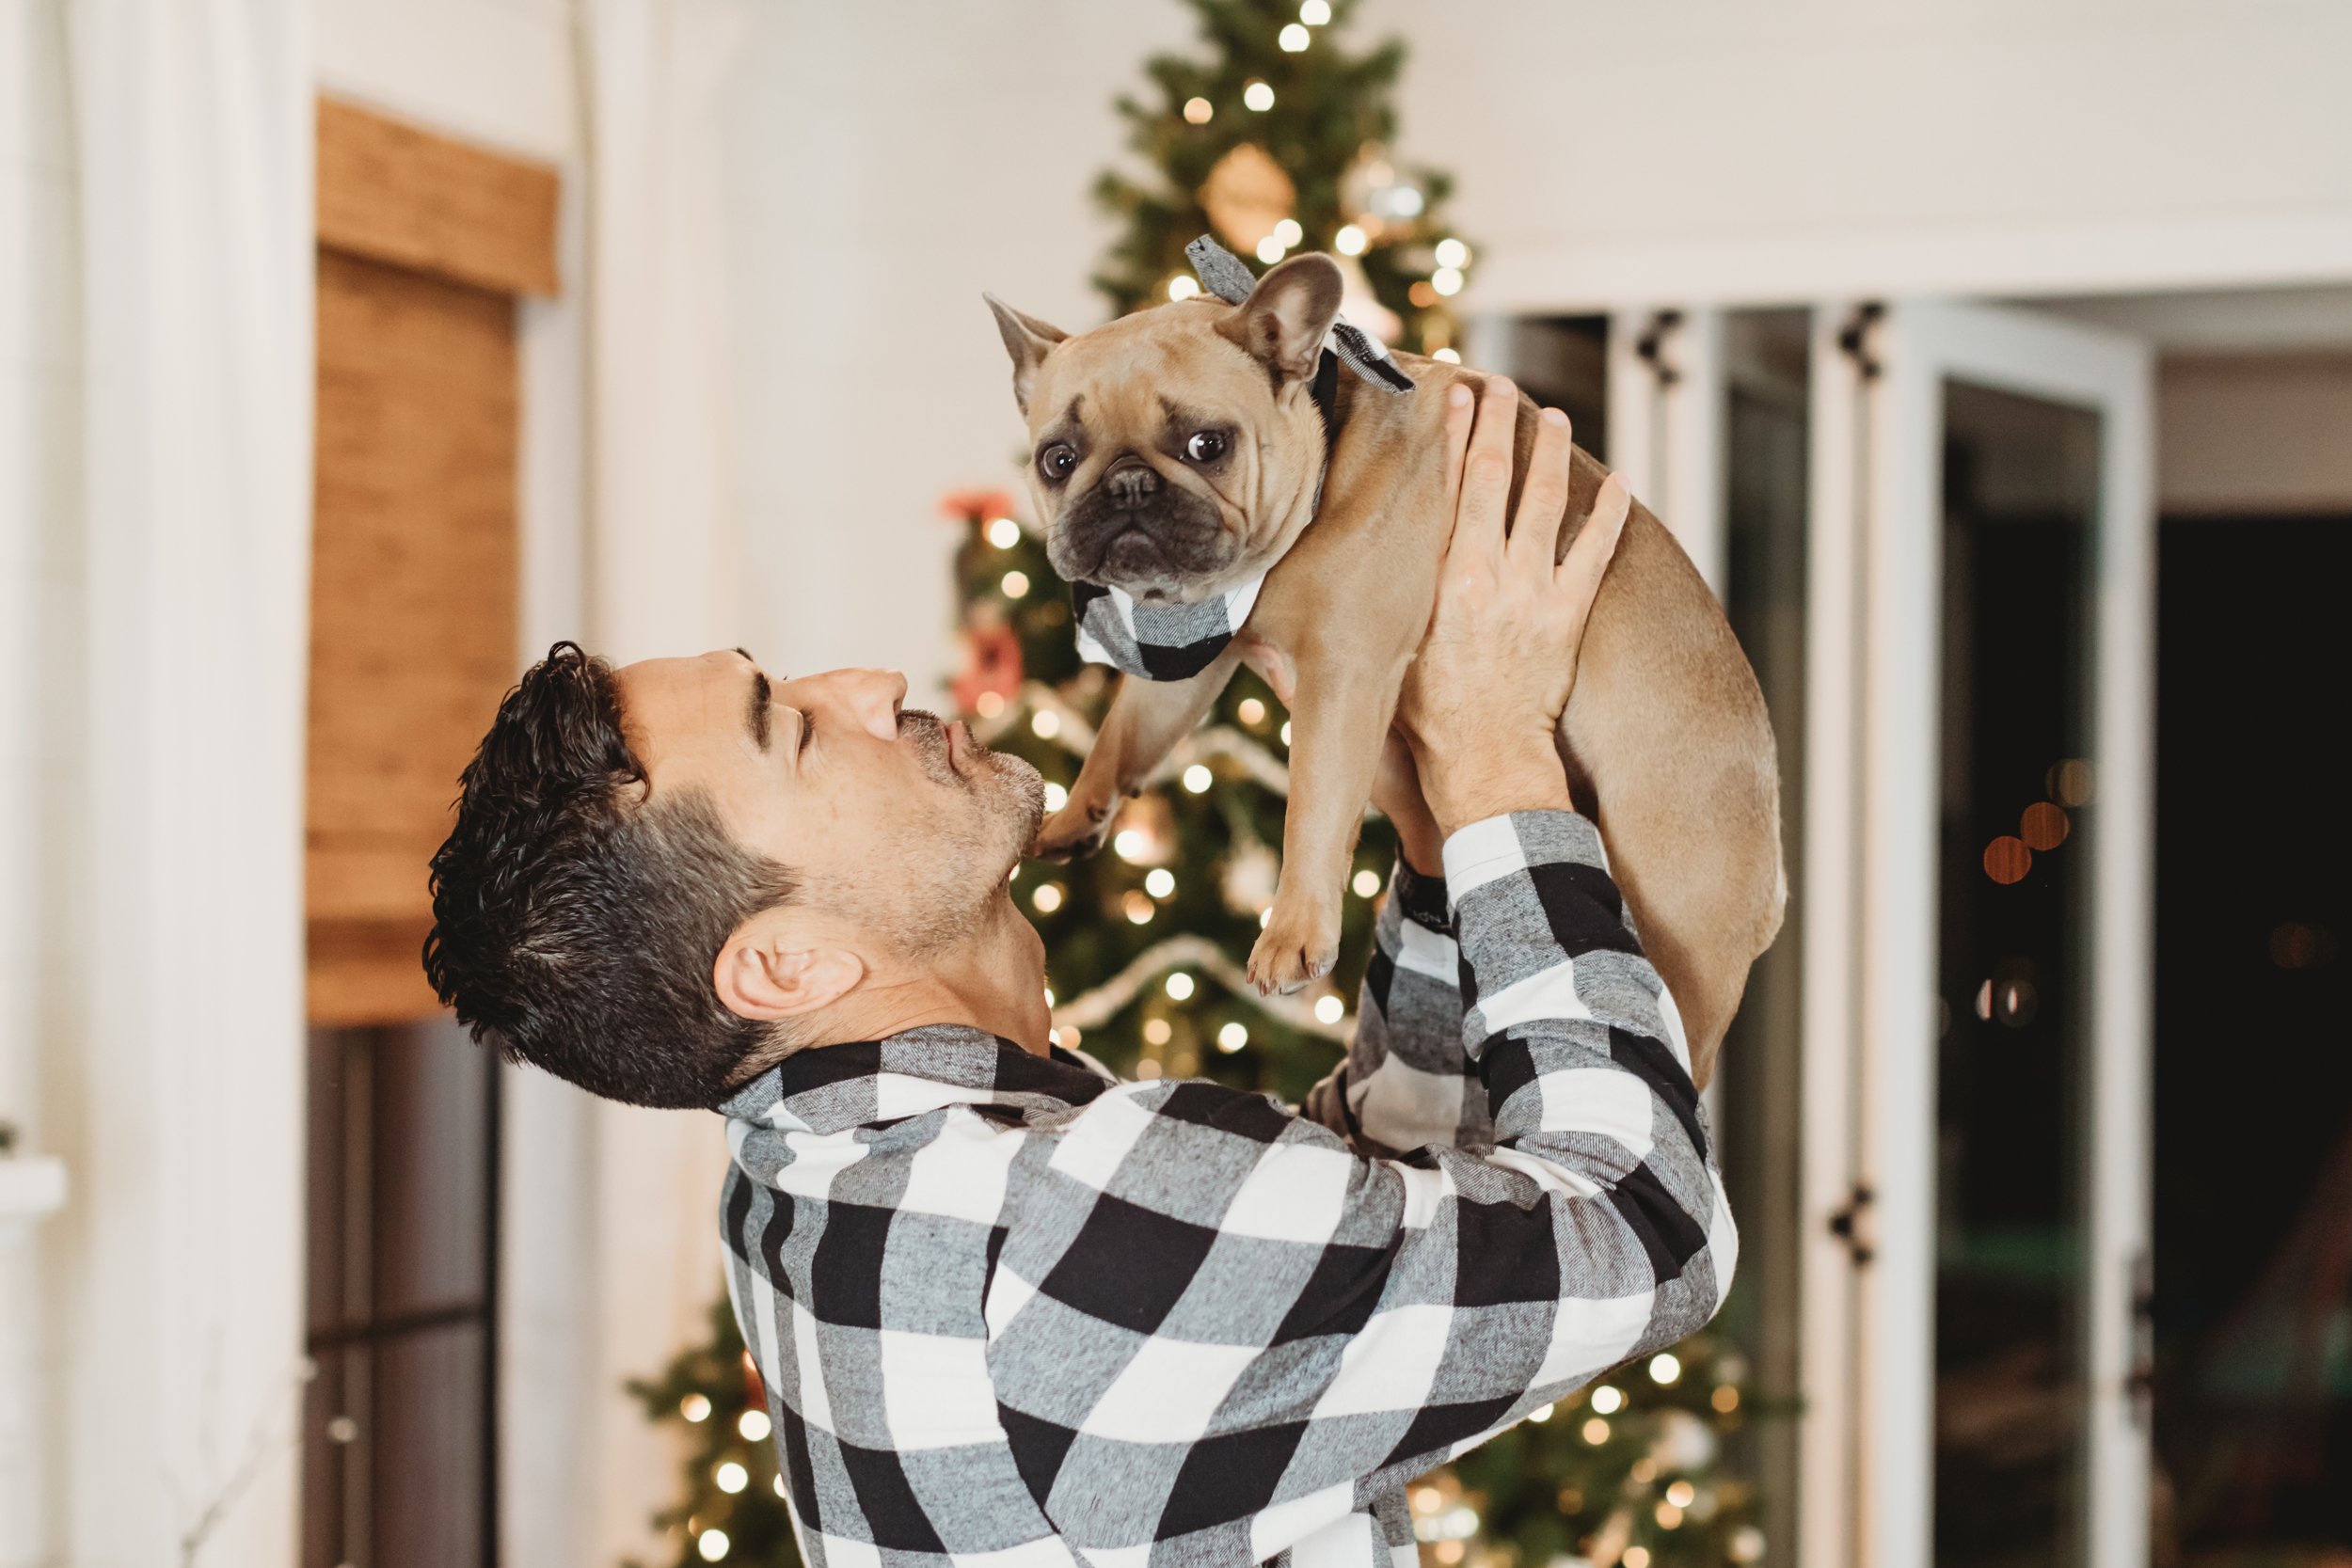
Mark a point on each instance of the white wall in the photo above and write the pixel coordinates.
(1727, 149)
(894, 161)
(40, 587)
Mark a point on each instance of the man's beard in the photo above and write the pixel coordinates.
(1019, 786)
(947, 876)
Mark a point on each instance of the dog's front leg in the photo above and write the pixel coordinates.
(1340, 717)
(1146, 720)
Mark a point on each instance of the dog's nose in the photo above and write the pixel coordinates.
(1131, 482)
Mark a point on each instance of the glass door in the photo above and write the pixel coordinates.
(1979, 879)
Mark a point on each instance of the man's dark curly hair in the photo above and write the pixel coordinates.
(575, 923)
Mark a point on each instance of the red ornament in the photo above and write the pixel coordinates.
(971, 506)
(991, 663)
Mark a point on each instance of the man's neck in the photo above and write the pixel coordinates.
(993, 980)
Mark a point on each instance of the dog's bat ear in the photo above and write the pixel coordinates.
(1285, 317)
(1027, 339)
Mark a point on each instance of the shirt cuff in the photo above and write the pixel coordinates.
(1503, 846)
(1421, 899)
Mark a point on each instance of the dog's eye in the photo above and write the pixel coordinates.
(1056, 461)
(1206, 446)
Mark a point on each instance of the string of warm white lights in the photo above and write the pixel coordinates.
(1325, 1015)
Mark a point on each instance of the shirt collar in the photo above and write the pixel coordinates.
(827, 1088)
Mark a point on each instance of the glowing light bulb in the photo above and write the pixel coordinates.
(1198, 111)
(1156, 1031)
(1540, 1417)
(1258, 95)
(1286, 731)
(1252, 710)
(1045, 723)
(1607, 1400)
(712, 1544)
(1294, 38)
(1682, 1494)
(1447, 356)
(1180, 987)
(1232, 1038)
(1270, 249)
(1314, 13)
(1404, 202)
(1349, 241)
(1725, 1399)
(696, 1408)
(1635, 1557)
(1016, 585)
(1664, 1367)
(1596, 1432)
(1049, 996)
(1366, 883)
(1139, 908)
(989, 703)
(1181, 288)
(1452, 253)
(1160, 882)
(1289, 233)
(1447, 280)
(1264, 915)
(1004, 532)
(776, 1484)
(1198, 779)
(731, 1477)
(1047, 897)
(1132, 845)
(1669, 1516)
(1329, 1009)
(754, 1425)
(1056, 797)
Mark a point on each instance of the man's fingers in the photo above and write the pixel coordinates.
(1543, 499)
(1461, 408)
(1486, 473)
(1580, 574)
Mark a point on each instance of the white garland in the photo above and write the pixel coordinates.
(1108, 1000)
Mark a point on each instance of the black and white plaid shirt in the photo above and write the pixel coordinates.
(1013, 1313)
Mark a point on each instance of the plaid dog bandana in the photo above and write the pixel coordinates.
(1176, 642)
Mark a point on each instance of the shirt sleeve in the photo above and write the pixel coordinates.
(1209, 1314)
(1407, 1080)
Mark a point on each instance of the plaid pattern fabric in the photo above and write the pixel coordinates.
(1011, 1312)
(1157, 641)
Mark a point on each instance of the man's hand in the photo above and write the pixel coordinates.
(1483, 697)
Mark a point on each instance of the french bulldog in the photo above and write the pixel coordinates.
(1178, 452)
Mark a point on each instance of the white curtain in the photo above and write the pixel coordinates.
(177, 1099)
(662, 578)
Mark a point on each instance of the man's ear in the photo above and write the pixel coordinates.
(1285, 317)
(1028, 340)
(766, 975)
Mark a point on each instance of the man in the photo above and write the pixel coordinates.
(1008, 1309)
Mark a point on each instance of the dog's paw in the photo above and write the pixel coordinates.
(1296, 948)
(1073, 833)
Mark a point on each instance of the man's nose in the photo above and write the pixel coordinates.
(872, 697)
(1131, 482)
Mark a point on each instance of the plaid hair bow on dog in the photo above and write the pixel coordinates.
(1176, 642)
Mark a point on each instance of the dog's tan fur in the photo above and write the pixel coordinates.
(1665, 735)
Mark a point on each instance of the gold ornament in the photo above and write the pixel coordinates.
(1246, 195)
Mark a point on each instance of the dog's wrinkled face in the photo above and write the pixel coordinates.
(1175, 451)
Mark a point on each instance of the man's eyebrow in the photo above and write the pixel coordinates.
(755, 719)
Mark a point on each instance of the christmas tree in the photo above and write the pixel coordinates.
(1276, 140)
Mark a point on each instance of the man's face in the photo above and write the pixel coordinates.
(901, 830)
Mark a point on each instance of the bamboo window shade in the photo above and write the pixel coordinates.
(424, 245)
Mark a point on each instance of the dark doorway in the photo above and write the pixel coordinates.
(400, 1432)
(2254, 1051)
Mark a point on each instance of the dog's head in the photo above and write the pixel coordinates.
(1175, 451)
